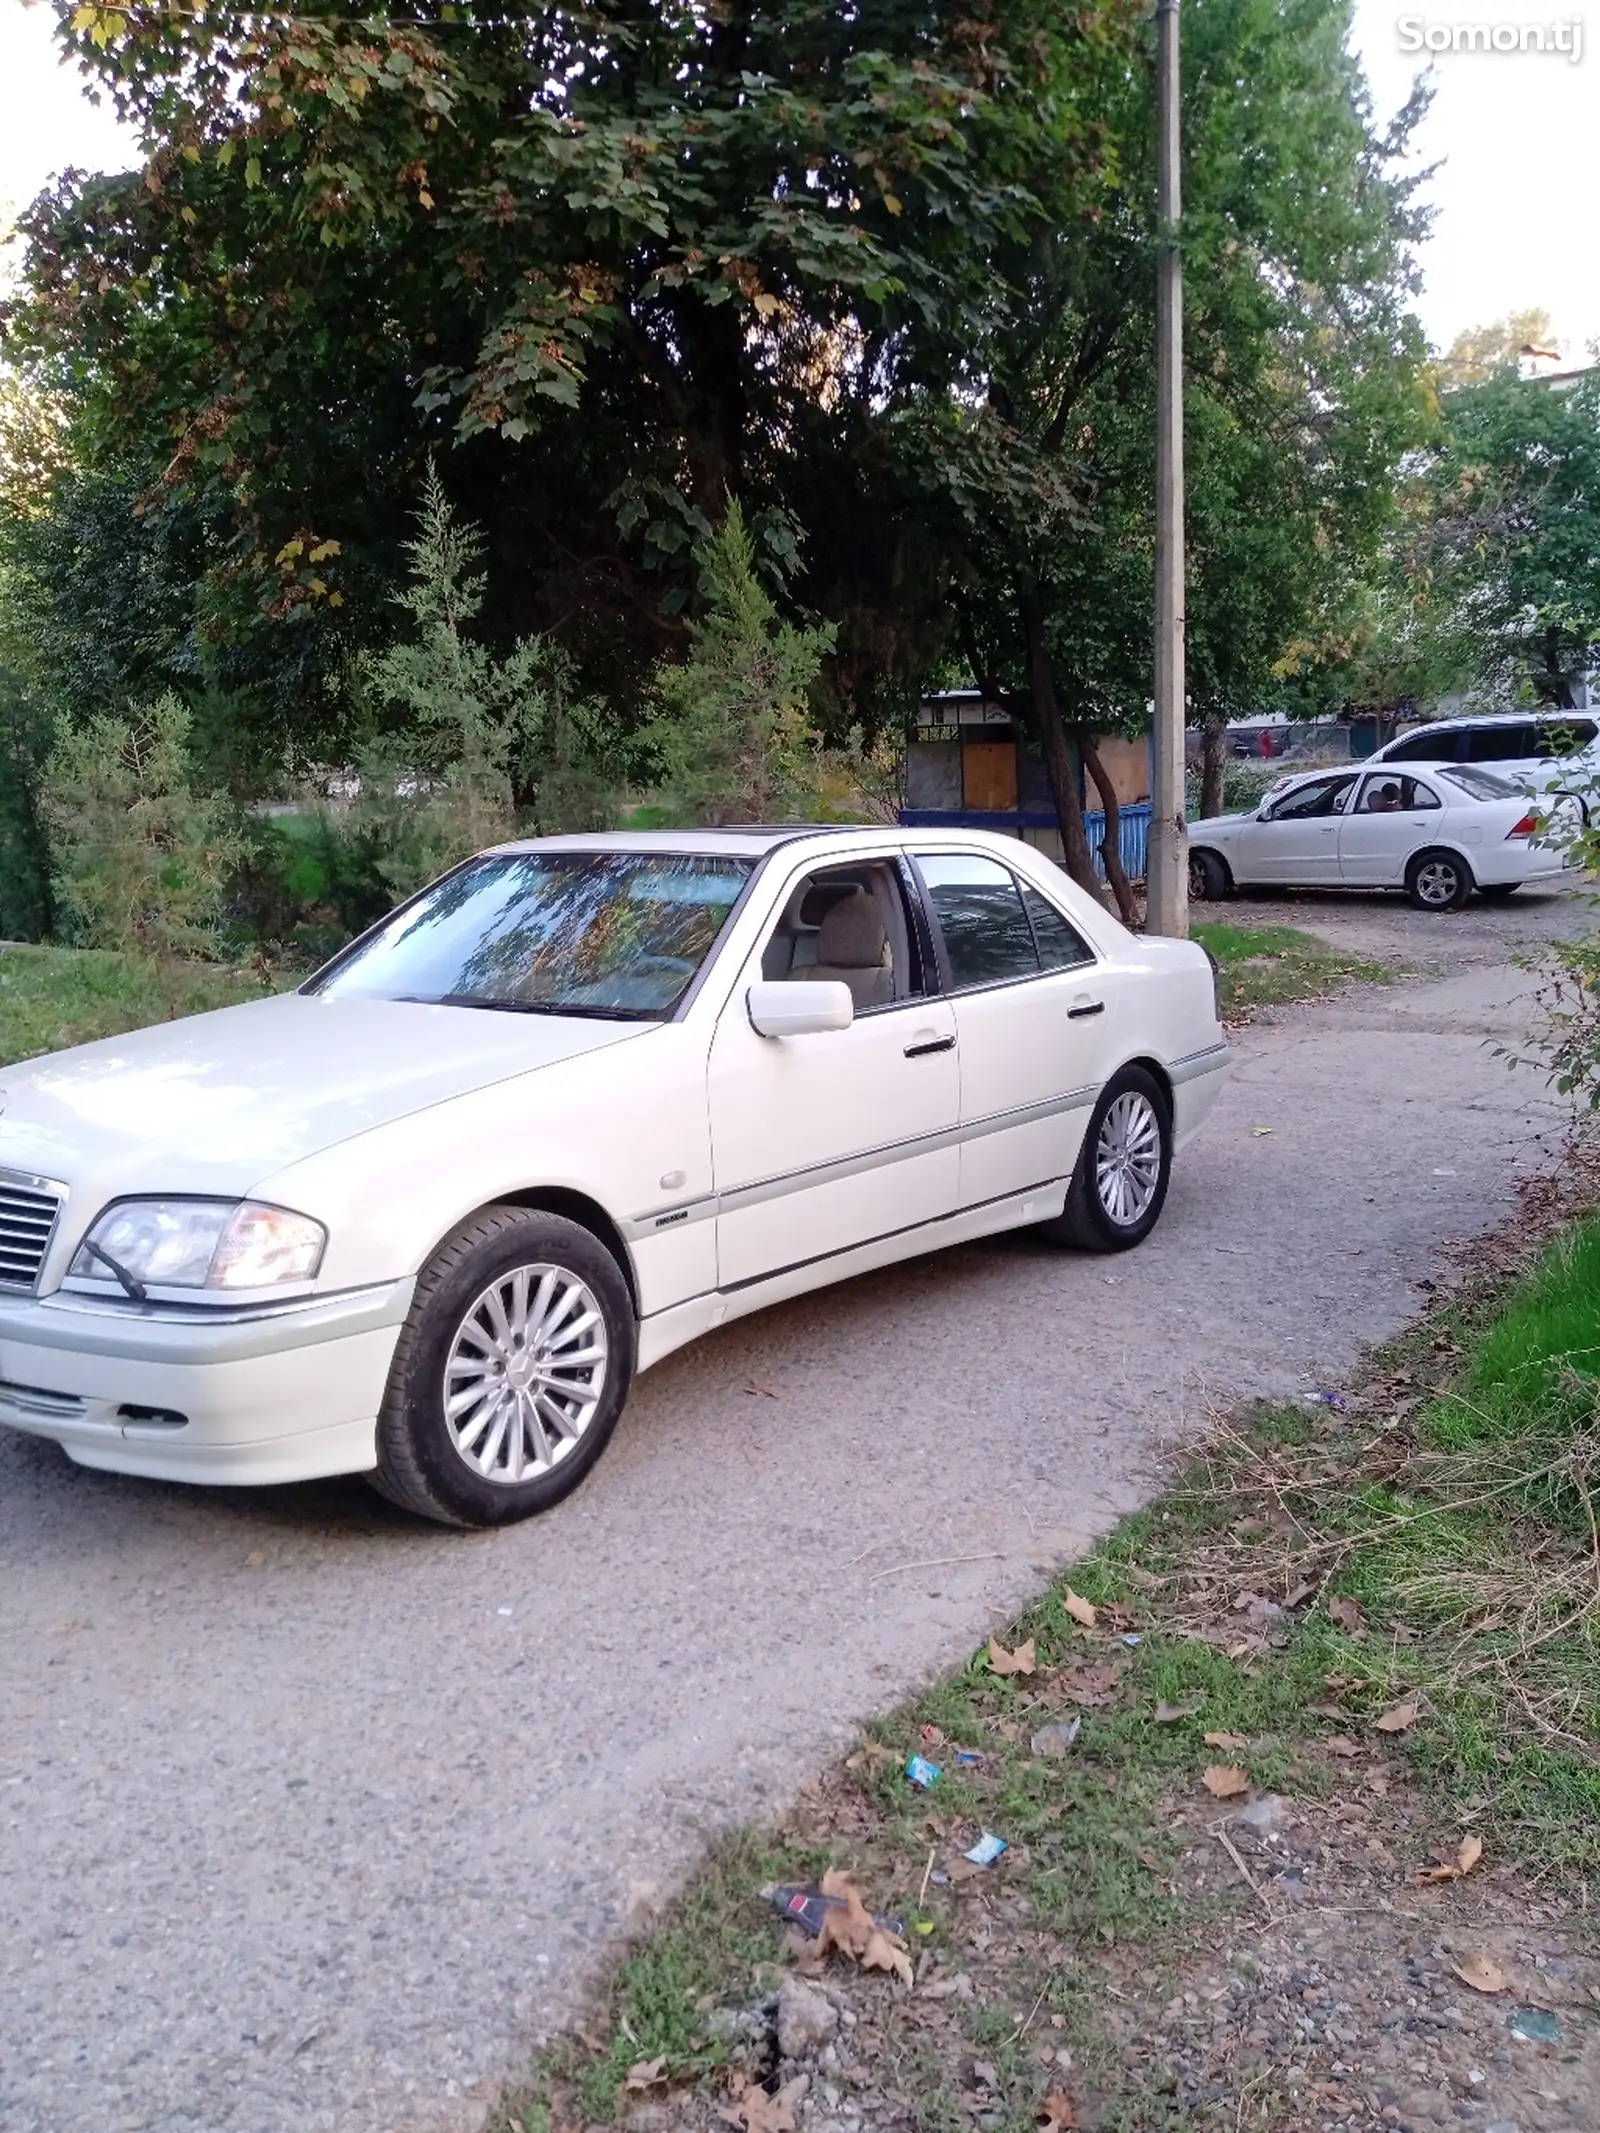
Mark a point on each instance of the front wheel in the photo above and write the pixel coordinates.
(1209, 879)
(510, 1371)
(1124, 1167)
(1438, 881)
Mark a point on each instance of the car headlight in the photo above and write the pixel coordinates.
(202, 1244)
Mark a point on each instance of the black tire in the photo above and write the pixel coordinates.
(420, 1465)
(1209, 879)
(1087, 1222)
(1438, 881)
(1498, 891)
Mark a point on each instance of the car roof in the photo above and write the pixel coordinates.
(1546, 714)
(756, 840)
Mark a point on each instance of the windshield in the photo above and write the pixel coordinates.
(1481, 784)
(616, 934)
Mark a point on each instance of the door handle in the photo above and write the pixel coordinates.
(923, 1046)
(1088, 1007)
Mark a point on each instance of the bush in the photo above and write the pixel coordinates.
(731, 736)
(142, 860)
(26, 730)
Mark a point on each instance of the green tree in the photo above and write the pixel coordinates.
(732, 738)
(1479, 353)
(1507, 533)
(476, 734)
(1301, 392)
(637, 259)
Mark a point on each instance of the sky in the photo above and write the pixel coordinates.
(1513, 133)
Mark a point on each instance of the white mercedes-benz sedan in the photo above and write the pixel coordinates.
(580, 1100)
(1438, 832)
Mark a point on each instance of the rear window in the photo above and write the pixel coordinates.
(1565, 736)
(1479, 784)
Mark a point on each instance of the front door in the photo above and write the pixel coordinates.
(1393, 816)
(827, 1141)
(1036, 1023)
(1298, 841)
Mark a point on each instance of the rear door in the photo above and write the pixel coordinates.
(1394, 815)
(1036, 1021)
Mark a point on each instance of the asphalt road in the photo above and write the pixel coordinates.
(312, 1820)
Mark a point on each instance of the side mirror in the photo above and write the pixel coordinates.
(799, 1010)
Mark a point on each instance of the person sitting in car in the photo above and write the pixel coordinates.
(1383, 800)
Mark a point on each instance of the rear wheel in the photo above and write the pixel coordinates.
(1209, 879)
(510, 1372)
(1124, 1167)
(1438, 881)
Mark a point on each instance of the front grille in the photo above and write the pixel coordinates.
(29, 1208)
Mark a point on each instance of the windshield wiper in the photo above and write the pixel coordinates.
(549, 1007)
(131, 1282)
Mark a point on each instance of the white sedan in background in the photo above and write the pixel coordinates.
(1437, 832)
(570, 1107)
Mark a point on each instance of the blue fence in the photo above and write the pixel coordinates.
(1133, 843)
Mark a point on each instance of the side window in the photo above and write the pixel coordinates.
(1502, 744)
(1429, 746)
(1061, 946)
(847, 924)
(1323, 796)
(980, 913)
(1395, 796)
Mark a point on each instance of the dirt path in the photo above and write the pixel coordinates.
(315, 1819)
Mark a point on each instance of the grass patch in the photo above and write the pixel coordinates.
(1431, 1542)
(51, 998)
(1268, 966)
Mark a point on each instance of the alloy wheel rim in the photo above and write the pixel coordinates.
(525, 1374)
(1436, 882)
(1127, 1158)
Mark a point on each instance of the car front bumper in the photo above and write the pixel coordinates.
(288, 1393)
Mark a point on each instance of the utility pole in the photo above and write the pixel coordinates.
(1167, 867)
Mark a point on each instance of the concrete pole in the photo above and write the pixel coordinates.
(1168, 864)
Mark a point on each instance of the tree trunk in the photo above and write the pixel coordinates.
(1214, 763)
(1111, 842)
(1044, 715)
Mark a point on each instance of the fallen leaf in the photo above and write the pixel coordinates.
(872, 1751)
(1225, 1781)
(1481, 1974)
(1167, 1714)
(1058, 2113)
(885, 1952)
(645, 2075)
(1400, 1719)
(1301, 1593)
(847, 1924)
(1465, 1860)
(1342, 1744)
(1081, 1610)
(1021, 1661)
(757, 2112)
(759, 1386)
(1349, 1614)
(1227, 1740)
(1087, 1685)
(1147, 1859)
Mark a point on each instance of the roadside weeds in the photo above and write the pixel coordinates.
(1298, 1775)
